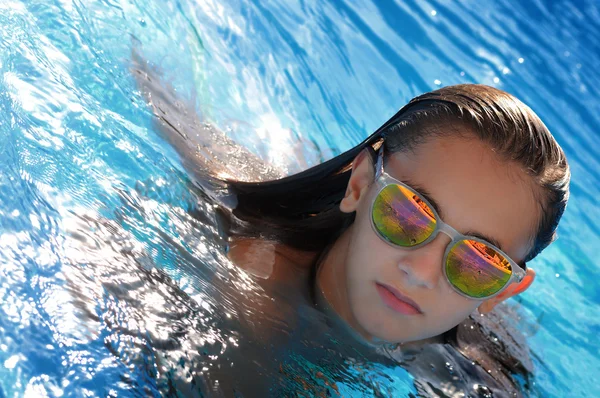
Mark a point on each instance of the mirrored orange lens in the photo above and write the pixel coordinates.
(402, 217)
(477, 269)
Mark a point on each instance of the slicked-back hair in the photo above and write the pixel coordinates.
(302, 210)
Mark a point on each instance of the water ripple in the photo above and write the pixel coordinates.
(113, 265)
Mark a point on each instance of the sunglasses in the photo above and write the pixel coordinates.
(404, 218)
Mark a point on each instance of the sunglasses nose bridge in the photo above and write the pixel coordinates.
(448, 230)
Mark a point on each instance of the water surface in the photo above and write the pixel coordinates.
(101, 251)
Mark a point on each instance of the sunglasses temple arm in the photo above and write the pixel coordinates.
(520, 273)
(379, 165)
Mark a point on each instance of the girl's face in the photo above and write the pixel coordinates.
(477, 193)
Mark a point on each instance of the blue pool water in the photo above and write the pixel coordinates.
(78, 145)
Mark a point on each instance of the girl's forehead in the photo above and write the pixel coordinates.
(475, 189)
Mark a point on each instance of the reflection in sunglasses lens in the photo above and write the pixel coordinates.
(402, 217)
(477, 269)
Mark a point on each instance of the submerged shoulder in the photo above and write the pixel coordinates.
(483, 356)
(495, 341)
(267, 259)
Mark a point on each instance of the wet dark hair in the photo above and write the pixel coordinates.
(302, 210)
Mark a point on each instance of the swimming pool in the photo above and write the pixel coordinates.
(103, 262)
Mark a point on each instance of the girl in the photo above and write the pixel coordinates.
(400, 239)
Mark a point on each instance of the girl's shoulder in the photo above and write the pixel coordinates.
(496, 341)
(483, 356)
(267, 259)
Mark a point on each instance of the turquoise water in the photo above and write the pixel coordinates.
(79, 144)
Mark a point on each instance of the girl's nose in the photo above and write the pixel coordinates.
(422, 267)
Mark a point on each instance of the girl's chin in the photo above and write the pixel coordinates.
(383, 331)
(375, 332)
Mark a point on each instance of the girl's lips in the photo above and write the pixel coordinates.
(397, 301)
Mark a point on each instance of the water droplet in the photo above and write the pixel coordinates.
(462, 73)
(496, 80)
(482, 391)
(521, 60)
(142, 22)
(433, 13)
(450, 367)
(557, 275)
(437, 82)
(505, 71)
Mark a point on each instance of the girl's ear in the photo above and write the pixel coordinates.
(512, 290)
(359, 183)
